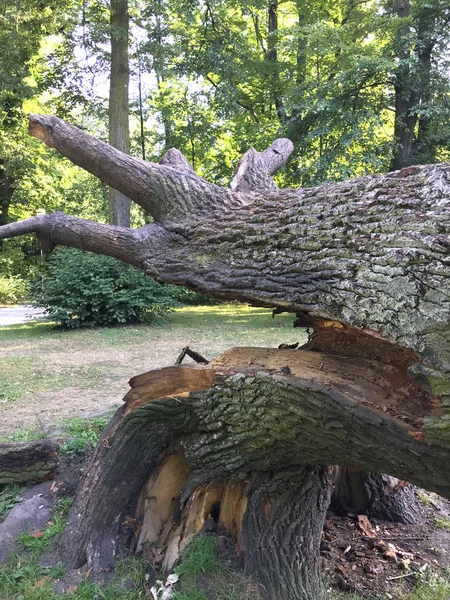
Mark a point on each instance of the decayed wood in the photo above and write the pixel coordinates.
(250, 410)
(28, 461)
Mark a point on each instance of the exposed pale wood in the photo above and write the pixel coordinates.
(249, 415)
(365, 263)
(169, 381)
(161, 502)
(233, 506)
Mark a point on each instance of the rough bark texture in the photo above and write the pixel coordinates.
(282, 531)
(379, 496)
(6, 193)
(371, 254)
(29, 461)
(111, 482)
(364, 263)
(278, 413)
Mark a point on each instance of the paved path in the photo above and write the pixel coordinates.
(13, 315)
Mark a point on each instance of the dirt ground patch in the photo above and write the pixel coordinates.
(48, 375)
(388, 562)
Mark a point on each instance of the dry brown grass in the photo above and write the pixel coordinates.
(47, 375)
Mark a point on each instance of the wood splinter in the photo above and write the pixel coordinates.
(198, 358)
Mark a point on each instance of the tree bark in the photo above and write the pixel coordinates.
(272, 58)
(119, 129)
(28, 461)
(370, 254)
(412, 80)
(364, 263)
(255, 414)
(282, 531)
(406, 93)
(379, 496)
(6, 193)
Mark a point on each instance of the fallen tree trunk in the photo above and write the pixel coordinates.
(371, 254)
(193, 430)
(364, 264)
(28, 461)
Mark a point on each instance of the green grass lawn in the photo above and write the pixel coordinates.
(49, 374)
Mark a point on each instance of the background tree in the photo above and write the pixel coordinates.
(118, 114)
(419, 45)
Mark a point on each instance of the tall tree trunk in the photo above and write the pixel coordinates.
(301, 46)
(413, 84)
(160, 72)
(6, 193)
(119, 132)
(272, 58)
(406, 93)
(428, 19)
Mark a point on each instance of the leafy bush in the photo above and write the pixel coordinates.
(12, 289)
(19, 260)
(81, 289)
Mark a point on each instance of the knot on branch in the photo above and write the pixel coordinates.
(175, 158)
(254, 169)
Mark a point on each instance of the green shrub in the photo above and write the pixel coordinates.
(81, 289)
(12, 289)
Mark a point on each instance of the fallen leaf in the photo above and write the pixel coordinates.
(390, 552)
(40, 582)
(404, 564)
(37, 534)
(417, 435)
